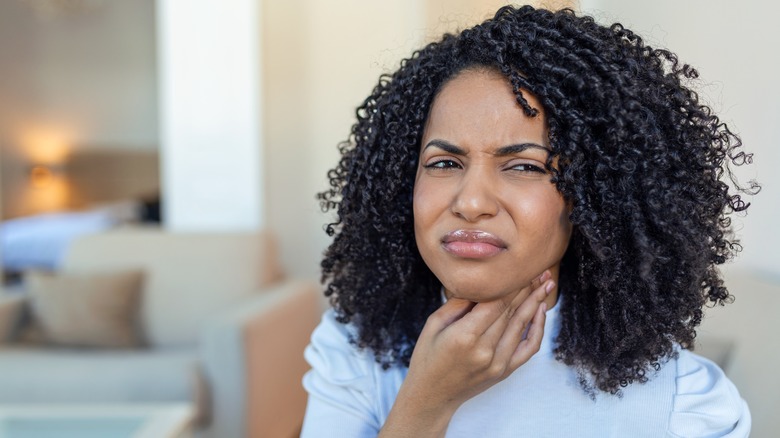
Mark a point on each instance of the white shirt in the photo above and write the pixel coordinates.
(350, 395)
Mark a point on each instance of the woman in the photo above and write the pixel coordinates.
(530, 215)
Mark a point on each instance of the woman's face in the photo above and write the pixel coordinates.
(487, 219)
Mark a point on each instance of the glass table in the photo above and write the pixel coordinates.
(170, 420)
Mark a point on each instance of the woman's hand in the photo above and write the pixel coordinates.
(465, 348)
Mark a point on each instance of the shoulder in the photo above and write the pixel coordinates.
(346, 383)
(706, 402)
(334, 357)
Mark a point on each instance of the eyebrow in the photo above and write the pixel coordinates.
(501, 152)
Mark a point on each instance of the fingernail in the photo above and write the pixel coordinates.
(545, 276)
(549, 287)
(544, 307)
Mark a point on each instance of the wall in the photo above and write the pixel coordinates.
(452, 15)
(320, 62)
(80, 78)
(734, 47)
(211, 114)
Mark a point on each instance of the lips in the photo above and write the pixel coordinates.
(473, 244)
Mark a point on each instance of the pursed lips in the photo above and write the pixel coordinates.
(473, 244)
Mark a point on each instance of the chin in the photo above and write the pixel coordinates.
(473, 292)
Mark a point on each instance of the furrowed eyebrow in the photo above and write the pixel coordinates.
(501, 152)
(446, 146)
(517, 148)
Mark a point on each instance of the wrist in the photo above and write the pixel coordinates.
(414, 415)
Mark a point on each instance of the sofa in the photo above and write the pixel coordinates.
(220, 327)
(747, 328)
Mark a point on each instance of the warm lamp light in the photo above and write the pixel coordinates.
(47, 191)
(45, 146)
(41, 176)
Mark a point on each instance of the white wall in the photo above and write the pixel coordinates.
(321, 60)
(210, 114)
(453, 15)
(734, 46)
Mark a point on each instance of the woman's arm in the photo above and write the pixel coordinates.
(706, 402)
(342, 387)
(464, 349)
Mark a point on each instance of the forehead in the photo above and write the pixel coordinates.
(479, 107)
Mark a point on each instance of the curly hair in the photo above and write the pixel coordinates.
(640, 159)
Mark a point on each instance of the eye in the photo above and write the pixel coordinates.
(527, 167)
(443, 164)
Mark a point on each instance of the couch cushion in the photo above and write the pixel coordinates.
(86, 310)
(96, 376)
(11, 311)
(188, 276)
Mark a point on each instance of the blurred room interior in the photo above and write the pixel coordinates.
(183, 142)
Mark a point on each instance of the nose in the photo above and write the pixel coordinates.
(476, 197)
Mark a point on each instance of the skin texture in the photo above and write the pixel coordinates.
(476, 188)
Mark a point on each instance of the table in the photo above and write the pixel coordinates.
(163, 420)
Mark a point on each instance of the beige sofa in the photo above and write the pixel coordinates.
(749, 328)
(224, 330)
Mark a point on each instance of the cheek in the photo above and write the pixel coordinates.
(543, 217)
(429, 204)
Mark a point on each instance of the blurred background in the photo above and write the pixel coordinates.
(204, 118)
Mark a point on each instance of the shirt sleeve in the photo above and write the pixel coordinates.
(706, 403)
(340, 385)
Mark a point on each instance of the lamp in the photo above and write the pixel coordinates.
(42, 175)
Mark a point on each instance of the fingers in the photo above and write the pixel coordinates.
(512, 336)
(489, 319)
(451, 311)
(531, 344)
(496, 330)
(546, 275)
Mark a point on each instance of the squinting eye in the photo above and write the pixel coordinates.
(525, 167)
(443, 164)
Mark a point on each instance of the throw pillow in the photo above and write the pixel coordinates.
(86, 310)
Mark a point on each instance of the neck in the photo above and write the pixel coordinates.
(551, 300)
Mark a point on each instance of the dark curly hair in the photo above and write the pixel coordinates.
(640, 159)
